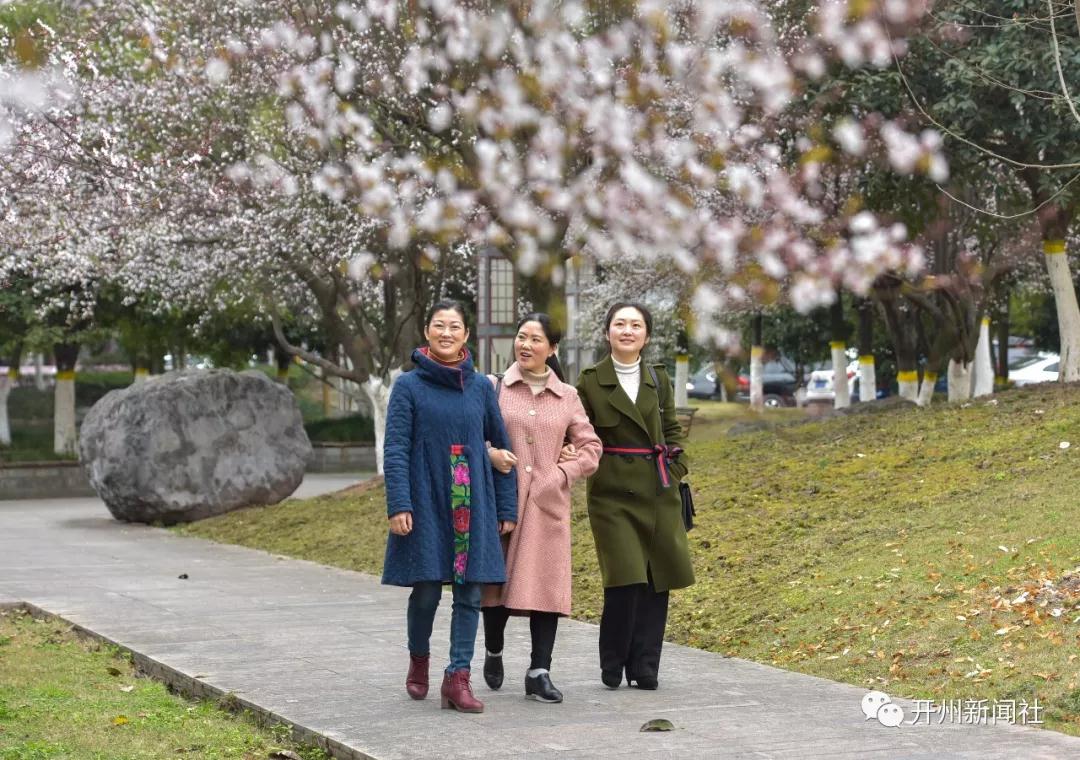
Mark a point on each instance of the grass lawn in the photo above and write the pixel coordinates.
(65, 697)
(929, 553)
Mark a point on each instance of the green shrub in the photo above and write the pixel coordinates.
(356, 427)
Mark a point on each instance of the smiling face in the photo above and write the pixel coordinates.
(627, 334)
(531, 347)
(446, 335)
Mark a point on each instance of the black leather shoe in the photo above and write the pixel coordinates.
(541, 689)
(611, 678)
(493, 671)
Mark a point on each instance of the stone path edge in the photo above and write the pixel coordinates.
(194, 688)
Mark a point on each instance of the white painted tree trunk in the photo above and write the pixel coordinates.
(983, 384)
(908, 384)
(378, 393)
(64, 438)
(39, 371)
(7, 380)
(1068, 313)
(959, 380)
(867, 378)
(757, 378)
(682, 376)
(926, 390)
(841, 393)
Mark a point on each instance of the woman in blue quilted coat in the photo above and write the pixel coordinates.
(446, 506)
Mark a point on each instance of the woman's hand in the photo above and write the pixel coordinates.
(502, 460)
(401, 524)
(506, 526)
(568, 453)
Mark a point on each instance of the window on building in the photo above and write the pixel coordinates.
(503, 301)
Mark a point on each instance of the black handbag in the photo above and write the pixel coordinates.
(685, 496)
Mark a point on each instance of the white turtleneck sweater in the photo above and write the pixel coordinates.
(629, 377)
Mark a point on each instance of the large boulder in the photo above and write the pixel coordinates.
(193, 444)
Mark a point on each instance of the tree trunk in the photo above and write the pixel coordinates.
(378, 393)
(841, 392)
(757, 368)
(7, 382)
(1068, 313)
(902, 327)
(838, 345)
(283, 360)
(39, 371)
(1002, 373)
(867, 370)
(64, 434)
(682, 376)
(983, 384)
(959, 380)
(926, 390)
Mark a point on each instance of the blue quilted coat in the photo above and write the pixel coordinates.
(437, 423)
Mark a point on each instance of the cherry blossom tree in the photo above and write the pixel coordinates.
(340, 164)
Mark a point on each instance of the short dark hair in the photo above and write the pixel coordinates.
(645, 313)
(447, 304)
(552, 334)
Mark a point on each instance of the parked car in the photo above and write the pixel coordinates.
(1041, 368)
(819, 388)
(702, 384)
(778, 385)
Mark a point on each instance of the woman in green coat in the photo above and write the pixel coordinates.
(634, 505)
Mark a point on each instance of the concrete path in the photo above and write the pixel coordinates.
(323, 649)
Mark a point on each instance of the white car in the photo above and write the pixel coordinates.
(1042, 368)
(820, 385)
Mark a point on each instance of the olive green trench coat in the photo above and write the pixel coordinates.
(636, 522)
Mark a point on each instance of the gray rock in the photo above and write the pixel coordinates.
(193, 444)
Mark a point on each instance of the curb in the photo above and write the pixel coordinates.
(194, 688)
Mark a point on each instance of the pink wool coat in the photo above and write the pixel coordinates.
(538, 550)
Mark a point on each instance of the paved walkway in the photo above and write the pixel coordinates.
(323, 649)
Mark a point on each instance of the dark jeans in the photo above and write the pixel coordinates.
(632, 629)
(465, 614)
(542, 626)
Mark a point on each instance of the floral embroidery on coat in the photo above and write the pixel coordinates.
(460, 501)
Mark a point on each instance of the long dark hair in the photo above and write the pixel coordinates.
(553, 336)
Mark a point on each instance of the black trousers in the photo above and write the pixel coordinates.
(542, 626)
(632, 629)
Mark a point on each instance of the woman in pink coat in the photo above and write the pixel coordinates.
(553, 444)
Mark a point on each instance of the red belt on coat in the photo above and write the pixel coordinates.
(663, 453)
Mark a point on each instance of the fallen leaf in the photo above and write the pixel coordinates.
(658, 724)
(120, 720)
(127, 689)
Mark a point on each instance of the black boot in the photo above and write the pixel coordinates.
(493, 670)
(641, 681)
(541, 688)
(611, 678)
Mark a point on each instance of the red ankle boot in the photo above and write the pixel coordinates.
(457, 693)
(416, 683)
